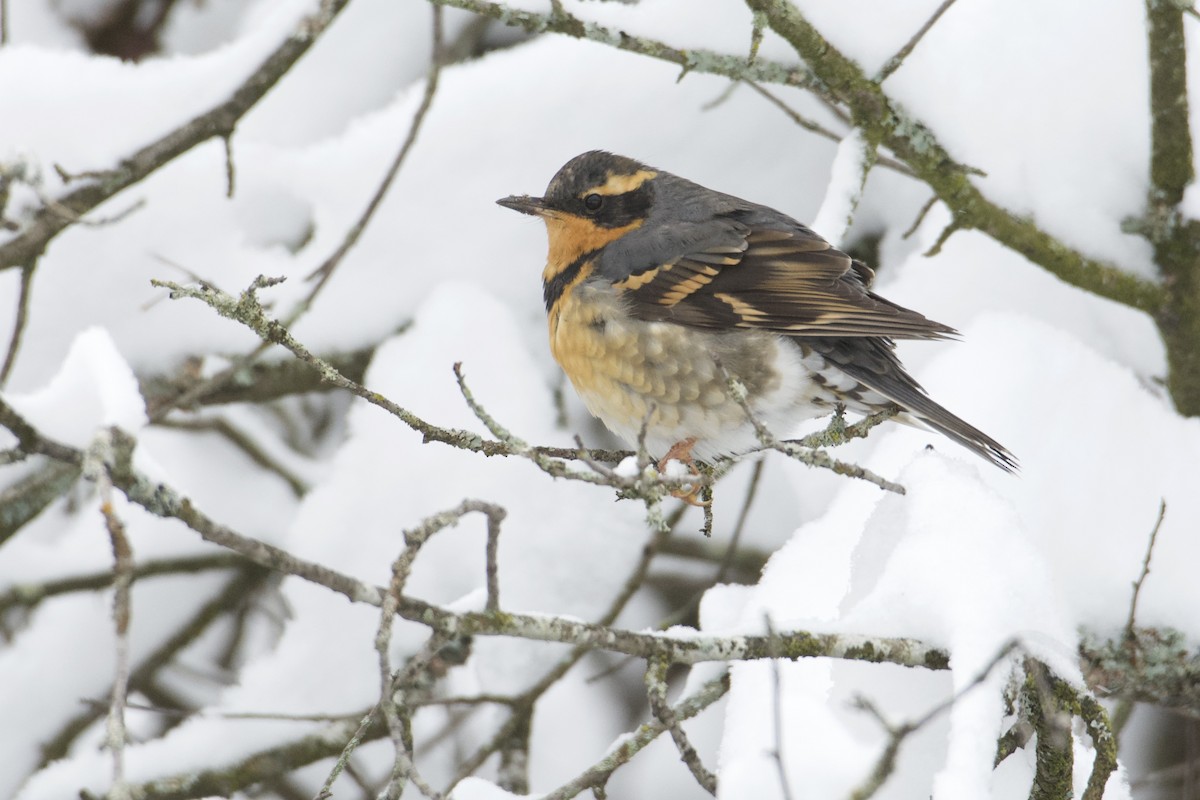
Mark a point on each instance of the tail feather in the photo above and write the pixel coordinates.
(873, 363)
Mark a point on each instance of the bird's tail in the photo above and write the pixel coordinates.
(872, 362)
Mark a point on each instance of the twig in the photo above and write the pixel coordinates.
(821, 130)
(893, 63)
(689, 60)
(29, 595)
(95, 466)
(325, 271)
(24, 500)
(956, 224)
(19, 322)
(257, 382)
(244, 442)
(398, 722)
(656, 691)
(785, 786)
(247, 580)
(805, 455)
(1130, 634)
(885, 122)
(219, 121)
(230, 169)
(925, 209)
(523, 705)
(886, 763)
(597, 776)
(735, 538)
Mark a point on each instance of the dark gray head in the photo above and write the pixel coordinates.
(609, 190)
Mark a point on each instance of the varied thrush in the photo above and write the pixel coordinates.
(658, 290)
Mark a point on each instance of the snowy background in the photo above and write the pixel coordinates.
(1049, 98)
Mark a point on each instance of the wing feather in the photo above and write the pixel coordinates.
(789, 281)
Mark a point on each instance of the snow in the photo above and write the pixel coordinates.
(845, 185)
(94, 387)
(968, 560)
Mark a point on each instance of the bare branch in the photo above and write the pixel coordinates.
(325, 271)
(21, 319)
(689, 60)
(1130, 633)
(597, 776)
(29, 595)
(805, 455)
(887, 124)
(220, 121)
(656, 691)
(244, 442)
(821, 130)
(96, 463)
(893, 63)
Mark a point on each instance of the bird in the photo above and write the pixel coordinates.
(664, 297)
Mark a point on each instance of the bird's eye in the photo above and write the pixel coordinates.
(593, 202)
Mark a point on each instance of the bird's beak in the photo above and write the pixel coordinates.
(534, 206)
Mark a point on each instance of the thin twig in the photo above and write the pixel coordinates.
(886, 763)
(688, 60)
(821, 130)
(805, 455)
(163, 501)
(244, 442)
(656, 691)
(925, 209)
(736, 537)
(597, 776)
(524, 703)
(29, 595)
(325, 271)
(219, 121)
(893, 63)
(247, 580)
(1130, 634)
(95, 467)
(785, 786)
(230, 168)
(19, 322)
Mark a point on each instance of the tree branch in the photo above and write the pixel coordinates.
(884, 123)
(1170, 134)
(220, 121)
(690, 60)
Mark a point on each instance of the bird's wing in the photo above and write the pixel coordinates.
(787, 280)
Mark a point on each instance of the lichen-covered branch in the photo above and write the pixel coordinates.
(689, 60)
(1175, 238)
(1171, 167)
(885, 123)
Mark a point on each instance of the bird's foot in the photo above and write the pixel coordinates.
(682, 452)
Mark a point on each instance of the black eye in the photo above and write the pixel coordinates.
(593, 202)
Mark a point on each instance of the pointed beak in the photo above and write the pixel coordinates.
(535, 206)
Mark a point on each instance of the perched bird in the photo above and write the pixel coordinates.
(658, 290)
